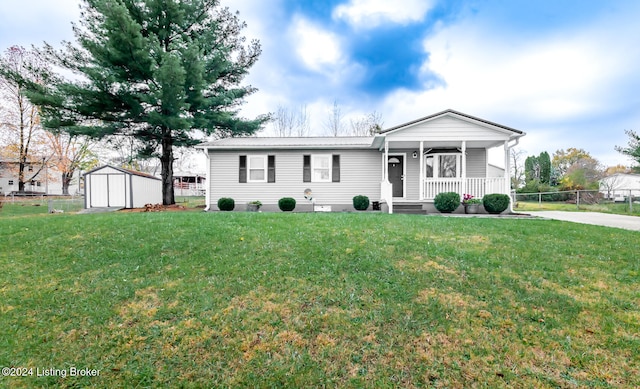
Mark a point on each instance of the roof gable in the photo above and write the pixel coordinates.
(456, 115)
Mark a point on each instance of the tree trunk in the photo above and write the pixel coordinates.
(66, 181)
(166, 160)
(21, 176)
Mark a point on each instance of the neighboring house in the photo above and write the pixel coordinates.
(189, 184)
(110, 186)
(47, 181)
(620, 185)
(403, 167)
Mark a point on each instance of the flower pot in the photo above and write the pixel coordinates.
(253, 207)
(471, 208)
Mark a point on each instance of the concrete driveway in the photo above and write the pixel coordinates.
(595, 218)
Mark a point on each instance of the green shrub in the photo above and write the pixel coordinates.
(446, 202)
(495, 202)
(360, 202)
(226, 204)
(287, 204)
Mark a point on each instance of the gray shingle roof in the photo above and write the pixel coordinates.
(350, 142)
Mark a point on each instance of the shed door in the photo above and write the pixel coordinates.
(107, 190)
(117, 189)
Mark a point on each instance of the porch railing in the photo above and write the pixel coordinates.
(477, 187)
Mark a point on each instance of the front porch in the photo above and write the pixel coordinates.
(445, 152)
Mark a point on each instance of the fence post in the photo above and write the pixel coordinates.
(578, 199)
(630, 202)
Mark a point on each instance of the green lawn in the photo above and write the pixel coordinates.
(190, 299)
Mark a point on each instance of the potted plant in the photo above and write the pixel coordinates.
(254, 206)
(471, 204)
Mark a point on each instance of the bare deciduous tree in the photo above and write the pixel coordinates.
(302, 122)
(517, 167)
(367, 125)
(22, 135)
(289, 122)
(70, 153)
(333, 124)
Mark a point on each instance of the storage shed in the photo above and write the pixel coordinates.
(109, 186)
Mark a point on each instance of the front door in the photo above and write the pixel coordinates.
(396, 174)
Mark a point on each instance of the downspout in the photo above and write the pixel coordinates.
(207, 173)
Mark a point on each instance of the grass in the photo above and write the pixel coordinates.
(40, 205)
(308, 300)
(616, 208)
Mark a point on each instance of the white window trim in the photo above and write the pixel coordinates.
(249, 157)
(314, 157)
(436, 165)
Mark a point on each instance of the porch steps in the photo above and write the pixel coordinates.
(409, 208)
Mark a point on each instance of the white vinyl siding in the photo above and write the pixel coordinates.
(360, 173)
(476, 163)
(449, 129)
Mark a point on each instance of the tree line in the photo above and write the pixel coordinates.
(567, 170)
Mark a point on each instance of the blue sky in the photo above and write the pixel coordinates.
(565, 72)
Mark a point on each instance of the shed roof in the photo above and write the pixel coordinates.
(123, 170)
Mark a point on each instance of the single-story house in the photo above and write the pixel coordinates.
(403, 167)
(620, 186)
(110, 186)
(40, 180)
(189, 183)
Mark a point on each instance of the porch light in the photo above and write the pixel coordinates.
(415, 154)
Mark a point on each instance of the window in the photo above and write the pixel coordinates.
(321, 168)
(257, 168)
(10, 182)
(442, 165)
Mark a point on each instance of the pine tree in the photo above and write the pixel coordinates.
(545, 167)
(164, 72)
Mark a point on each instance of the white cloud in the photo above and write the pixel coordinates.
(317, 48)
(372, 13)
(564, 90)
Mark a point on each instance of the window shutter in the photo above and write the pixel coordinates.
(335, 174)
(242, 174)
(306, 168)
(271, 168)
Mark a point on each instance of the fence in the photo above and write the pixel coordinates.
(53, 204)
(583, 197)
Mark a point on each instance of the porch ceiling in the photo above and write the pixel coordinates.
(404, 144)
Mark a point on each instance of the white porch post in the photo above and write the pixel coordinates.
(386, 159)
(507, 168)
(421, 180)
(463, 168)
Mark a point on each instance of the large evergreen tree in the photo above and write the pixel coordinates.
(633, 148)
(162, 71)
